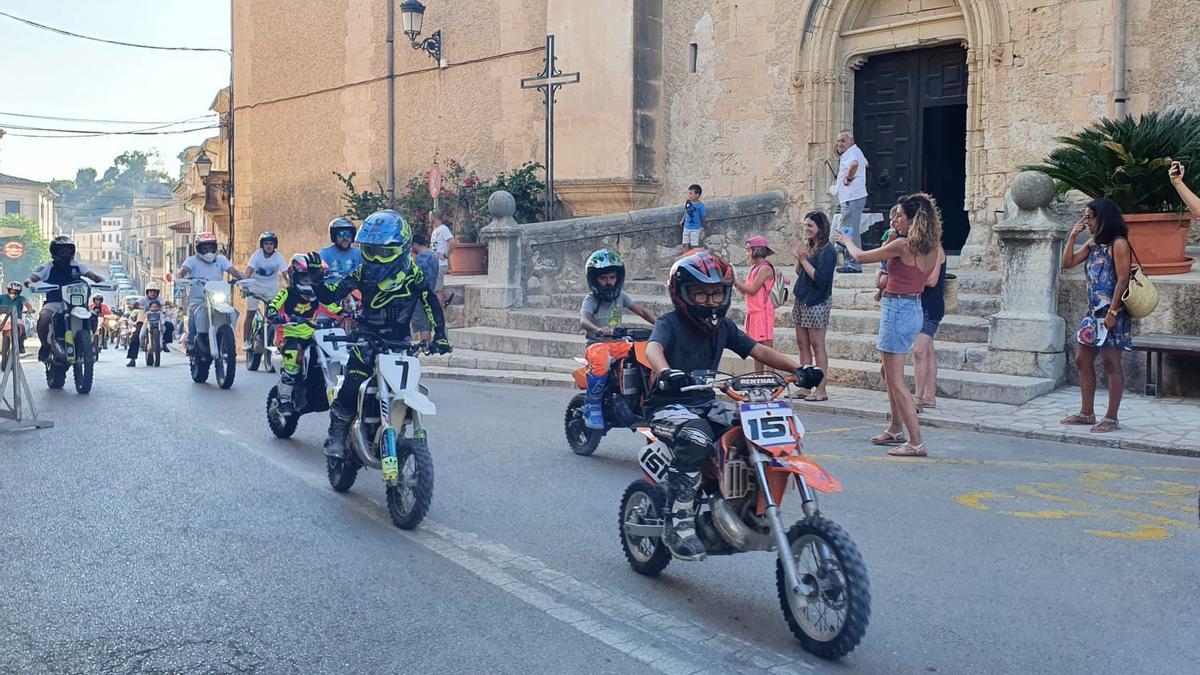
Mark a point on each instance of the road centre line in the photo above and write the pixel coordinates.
(656, 638)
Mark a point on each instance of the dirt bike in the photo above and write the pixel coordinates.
(109, 325)
(124, 333)
(390, 402)
(263, 333)
(822, 584)
(628, 385)
(322, 365)
(72, 329)
(216, 348)
(23, 330)
(152, 335)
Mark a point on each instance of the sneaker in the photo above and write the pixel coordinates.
(286, 407)
(246, 346)
(132, 363)
(847, 269)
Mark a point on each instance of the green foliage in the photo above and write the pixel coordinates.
(129, 177)
(462, 200)
(37, 249)
(1127, 160)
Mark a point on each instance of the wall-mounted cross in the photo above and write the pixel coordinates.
(548, 82)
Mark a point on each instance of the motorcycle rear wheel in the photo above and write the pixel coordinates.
(226, 361)
(342, 472)
(582, 440)
(282, 426)
(85, 362)
(643, 504)
(408, 502)
(832, 618)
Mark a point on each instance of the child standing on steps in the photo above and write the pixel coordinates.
(760, 309)
(693, 218)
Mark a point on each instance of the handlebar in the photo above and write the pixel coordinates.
(623, 333)
(402, 346)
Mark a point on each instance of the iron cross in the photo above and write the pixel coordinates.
(548, 82)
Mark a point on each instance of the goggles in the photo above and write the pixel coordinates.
(381, 254)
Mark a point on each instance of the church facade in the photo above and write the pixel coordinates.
(946, 96)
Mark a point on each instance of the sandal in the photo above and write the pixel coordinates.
(889, 438)
(1078, 418)
(927, 404)
(1106, 425)
(909, 450)
(815, 397)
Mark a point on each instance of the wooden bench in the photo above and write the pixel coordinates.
(1159, 344)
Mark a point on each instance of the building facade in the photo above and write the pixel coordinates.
(32, 199)
(947, 96)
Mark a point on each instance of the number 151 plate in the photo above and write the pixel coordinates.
(768, 423)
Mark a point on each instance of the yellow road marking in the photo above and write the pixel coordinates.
(1009, 464)
(833, 431)
(1163, 520)
(1143, 533)
(975, 499)
(1029, 490)
(1053, 514)
(1098, 476)
(1189, 508)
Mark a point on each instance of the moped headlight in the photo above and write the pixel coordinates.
(218, 297)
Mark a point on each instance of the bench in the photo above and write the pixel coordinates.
(1159, 344)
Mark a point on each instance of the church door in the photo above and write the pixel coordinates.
(910, 120)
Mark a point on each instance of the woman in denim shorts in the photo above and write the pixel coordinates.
(911, 257)
(933, 306)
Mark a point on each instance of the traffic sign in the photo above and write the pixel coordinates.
(435, 181)
(13, 250)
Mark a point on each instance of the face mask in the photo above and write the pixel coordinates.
(304, 288)
(208, 257)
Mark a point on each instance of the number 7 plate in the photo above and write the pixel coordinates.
(768, 424)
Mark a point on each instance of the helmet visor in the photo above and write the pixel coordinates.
(381, 254)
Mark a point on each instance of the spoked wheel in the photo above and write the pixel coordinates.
(4, 353)
(254, 356)
(342, 472)
(226, 361)
(829, 614)
(640, 522)
(582, 440)
(283, 426)
(154, 349)
(85, 362)
(409, 500)
(56, 375)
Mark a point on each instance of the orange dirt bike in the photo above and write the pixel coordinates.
(822, 581)
(628, 385)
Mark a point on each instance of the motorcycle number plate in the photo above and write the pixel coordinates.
(655, 459)
(768, 424)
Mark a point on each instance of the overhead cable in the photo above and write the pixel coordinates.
(120, 43)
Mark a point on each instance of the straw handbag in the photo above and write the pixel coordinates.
(950, 293)
(1140, 297)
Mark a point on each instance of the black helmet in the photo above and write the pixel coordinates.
(604, 262)
(342, 224)
(62, 249)
(268, 236)
(700, 268)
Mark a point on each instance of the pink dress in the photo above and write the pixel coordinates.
(760, 311)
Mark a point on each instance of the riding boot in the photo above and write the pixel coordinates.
(593, 401)
(339, 425)
(680, 535)
(285, 389)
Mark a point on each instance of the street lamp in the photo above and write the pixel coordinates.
(203, 165)
(412, 13)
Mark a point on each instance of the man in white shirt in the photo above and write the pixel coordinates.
(442, 241)
(266, 268)
(852, 193)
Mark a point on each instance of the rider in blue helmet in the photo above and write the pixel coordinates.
(392, 288)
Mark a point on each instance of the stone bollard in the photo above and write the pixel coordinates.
(1027, 334)
(503, 239)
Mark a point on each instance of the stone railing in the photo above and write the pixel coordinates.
(548, 258)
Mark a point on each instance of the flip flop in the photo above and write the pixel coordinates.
(1078, 419)
(889, 438)
(909, 450)
(814, 398)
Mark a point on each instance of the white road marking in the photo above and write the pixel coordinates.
(656, 638)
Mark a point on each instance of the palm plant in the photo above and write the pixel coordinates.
(1126, 160)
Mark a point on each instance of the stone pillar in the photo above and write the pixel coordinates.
(1027, 333)
(503, 239)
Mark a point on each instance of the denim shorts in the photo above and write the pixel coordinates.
(930, 327)
(900, 320)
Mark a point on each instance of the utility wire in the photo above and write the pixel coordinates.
(97, 134)
(22, 127)
(120, 43)
(100, 121)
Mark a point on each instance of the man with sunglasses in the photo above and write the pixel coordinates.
(342, 256)
(393, 287)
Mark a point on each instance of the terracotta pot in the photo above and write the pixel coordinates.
(468, 260)
(1159, 240)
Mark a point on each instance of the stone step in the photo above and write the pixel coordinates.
(531, 378)
(952, 383)
(462, 357)
(982, 283)
(969, 304)
(955, 327)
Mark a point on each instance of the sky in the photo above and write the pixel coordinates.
(46, 73)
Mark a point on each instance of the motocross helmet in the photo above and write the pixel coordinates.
(95, 298)
(700, 268)
(299, 277)
(62, 249)
(342, 226)
(386, 238)
(153, 286)
(604, 262)
(14, 287)
(268, 236)
(206, 246)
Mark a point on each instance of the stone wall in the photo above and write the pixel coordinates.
(553, 254)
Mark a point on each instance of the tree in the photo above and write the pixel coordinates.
(37, 249)
(131, 176)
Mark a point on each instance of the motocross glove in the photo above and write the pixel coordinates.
(808, 377)
(316, 268)
(672, 381)
(441, 346)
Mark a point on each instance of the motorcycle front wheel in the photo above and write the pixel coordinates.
(85, 363)
(830, 614)
(408, 502)
(644, 505)
(282, 426)
(154, 349)
(226, 361)
(582, 440)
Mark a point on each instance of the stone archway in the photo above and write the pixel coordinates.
(838, 37)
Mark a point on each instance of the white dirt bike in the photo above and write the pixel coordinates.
(216, 348)
(322, 368)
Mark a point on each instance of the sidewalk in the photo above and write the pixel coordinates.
(1168, 426)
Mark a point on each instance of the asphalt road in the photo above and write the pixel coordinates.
(160, 527)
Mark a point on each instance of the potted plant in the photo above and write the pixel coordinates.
(1127, 160)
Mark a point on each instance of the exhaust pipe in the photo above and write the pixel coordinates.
(733, 530)
(359, 440)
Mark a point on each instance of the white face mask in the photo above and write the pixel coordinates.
(208, 257)
(307, 290)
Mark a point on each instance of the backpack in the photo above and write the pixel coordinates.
(779, 292)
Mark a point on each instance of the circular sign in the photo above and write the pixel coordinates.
(435, 182)
(14, 250)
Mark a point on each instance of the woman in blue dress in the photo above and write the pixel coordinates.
(1105, 330)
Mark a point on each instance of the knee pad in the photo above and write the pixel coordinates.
(693, 443)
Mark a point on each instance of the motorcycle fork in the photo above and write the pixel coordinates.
(776, 519)
(387, 447)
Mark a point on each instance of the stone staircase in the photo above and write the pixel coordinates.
(537, 344)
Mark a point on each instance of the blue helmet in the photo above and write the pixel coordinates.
(385, 237)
